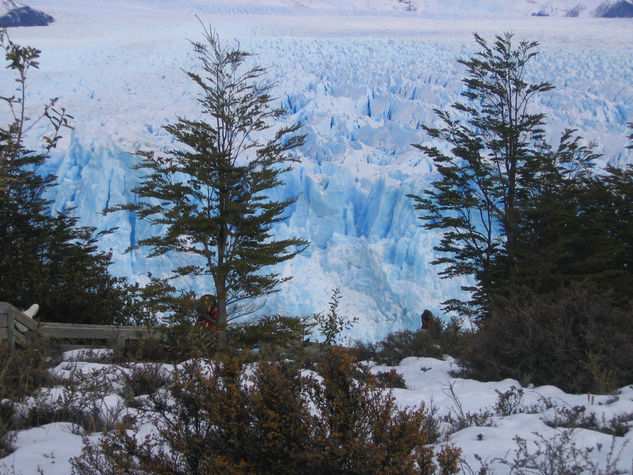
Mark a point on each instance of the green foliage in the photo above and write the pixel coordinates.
(43, 258)
(441, 339)
(606, 224)
(531, 224)
(579, 230)
(228, 417)
(269, 337)
(274, 337)
(212, 194)
(573, 339)
(159, 301)
(277, 329)
(498, 163)
(332, 324)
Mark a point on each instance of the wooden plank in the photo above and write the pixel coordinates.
(4, 336)
(10, 330)
(122, 328)
(19, 339)
(101, 332)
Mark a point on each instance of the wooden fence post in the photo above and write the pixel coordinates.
(4, 320)
(10, 330)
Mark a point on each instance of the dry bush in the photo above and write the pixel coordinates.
(22, 372)
(560, 455)
(390, 379)
(77, 399)
(7, 435)
(232, 417)
(139, 379)
(574, 339)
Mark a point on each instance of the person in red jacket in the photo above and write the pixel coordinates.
(207, 311)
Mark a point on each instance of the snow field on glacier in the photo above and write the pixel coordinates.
(361, 83)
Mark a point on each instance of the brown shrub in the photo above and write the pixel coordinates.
(229, 417)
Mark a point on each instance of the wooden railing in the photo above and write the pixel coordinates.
(15, 327)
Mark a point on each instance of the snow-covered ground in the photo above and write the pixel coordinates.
(360, 75)
(536, 415)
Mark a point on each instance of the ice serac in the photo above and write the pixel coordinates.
(363, 236)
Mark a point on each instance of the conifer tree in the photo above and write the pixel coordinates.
(497, 164)
(45, 258)
(211, 195)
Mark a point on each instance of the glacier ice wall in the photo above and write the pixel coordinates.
(361, 97)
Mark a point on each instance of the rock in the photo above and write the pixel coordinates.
(621, 9)
(22, 15)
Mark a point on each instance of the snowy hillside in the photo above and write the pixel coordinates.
(360, 75)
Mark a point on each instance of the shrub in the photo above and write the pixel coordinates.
(142, 378)
(232, 417)
(463, 419)
(390, 379)
(7, 435)
(79, 399)
(22, 372)
(509, 402)
(574, 339)
(439, 340)
(331, 324)
(578, 417)
(171, 344)
(364, 433)
(273, 336)
(559, 455)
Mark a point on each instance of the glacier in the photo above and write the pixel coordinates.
(360, 76)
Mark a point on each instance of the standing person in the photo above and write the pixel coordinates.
(207, 311)
(427, 319)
